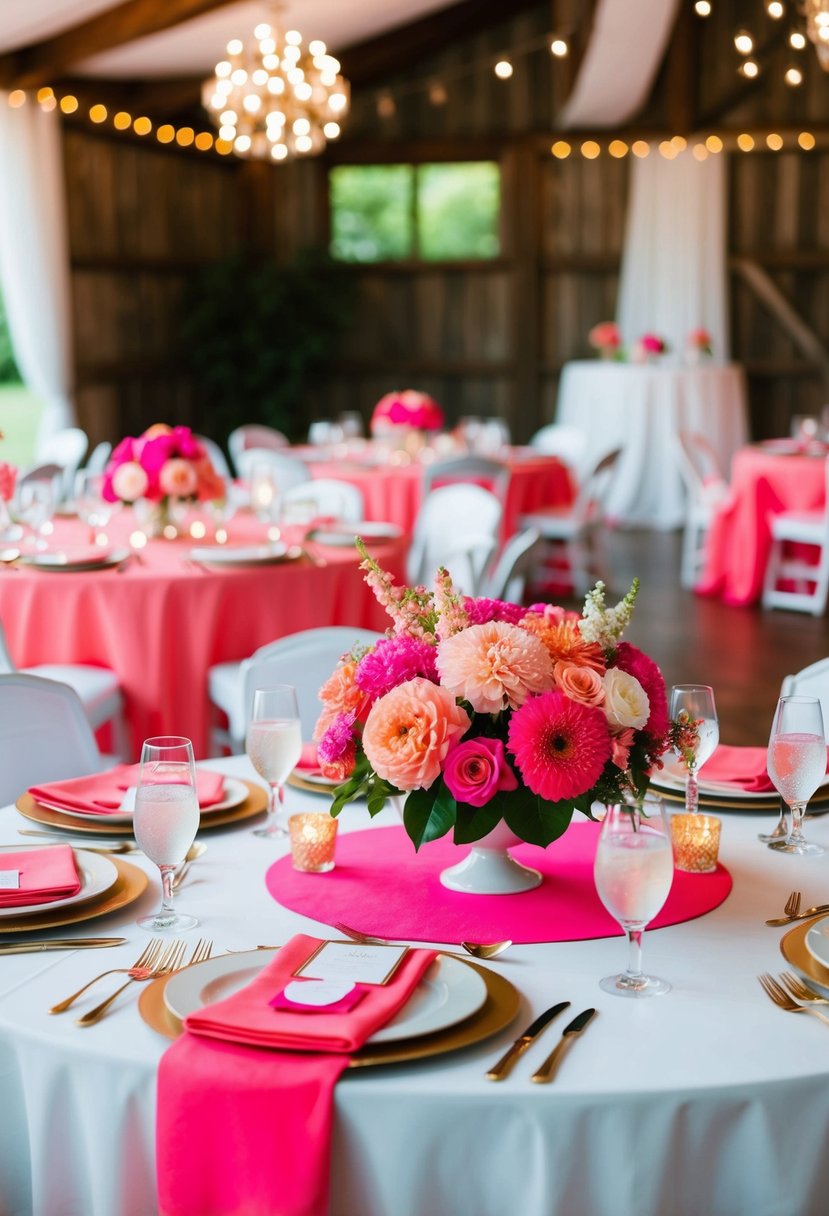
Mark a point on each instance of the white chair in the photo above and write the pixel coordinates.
(811, 681)
(99, 457)
(456, 527)
(472, 469)
(285, 471)
(706, 489)
(67, 449)
(558, 439)
(520, 558)
(799, 528)
(304, 659)
(578, 528)
(97, 688)
(44, 734)
(253, 435)
(325, 496)
(217, 456)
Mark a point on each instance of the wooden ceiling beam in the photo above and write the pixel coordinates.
(43, 62)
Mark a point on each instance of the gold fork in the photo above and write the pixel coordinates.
(792, 904)
(799, 990)
(169, 961)
(476, 949)
(781, 998)
(146, 960)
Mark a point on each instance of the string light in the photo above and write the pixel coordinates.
(793, 76)
(559, 47)
(750, 68)
(744, 42)
(702, 8)
(503, 69)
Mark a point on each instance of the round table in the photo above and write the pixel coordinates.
(764, 482)
(162, 621)
(640, 408)
(709, 1099)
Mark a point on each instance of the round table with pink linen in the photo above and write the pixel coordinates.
(764, 482)
(161, 621)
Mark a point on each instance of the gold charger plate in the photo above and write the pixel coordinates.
(312, 787)
(130, 884)
(759, 806)
(794, 951)
(254, 804)
(498, 1010)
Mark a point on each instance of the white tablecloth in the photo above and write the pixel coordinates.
(707, 1100)
(640, 408)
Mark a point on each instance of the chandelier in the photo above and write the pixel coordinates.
(816, 13)
(273, 97)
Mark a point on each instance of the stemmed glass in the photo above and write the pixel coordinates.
(166, 820)
(633, 871)
(91, 505)
(33, 505)
(796, 762)
(274, 745)
(695, 703)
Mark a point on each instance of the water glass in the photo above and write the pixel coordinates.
(274, 745)
(633, 872)
(166, 820)
(33, 504)
(91, 505)
(694, 703)
(796, 762)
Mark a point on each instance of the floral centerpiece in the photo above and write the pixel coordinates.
(8, 479)
(699, 345)
(478, 711)
(163, 465)
(649, 347)
(606, 339)
(409, 410)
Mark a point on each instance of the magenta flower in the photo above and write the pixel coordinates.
(337, 749)
(559, 745)
(636, 663)
(475, 769)
(481, 611)
(393, 661)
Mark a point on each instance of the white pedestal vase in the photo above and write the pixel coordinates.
(489, 870)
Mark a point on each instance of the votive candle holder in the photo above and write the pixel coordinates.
(696, 840)
(313, 835)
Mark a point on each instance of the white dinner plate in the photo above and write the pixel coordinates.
(239, 555)
(62, 560)
(344, 534)
(669, 779)
(96, 872)
(235, 793)
(817, 941)
(327, 783)
(449, 992)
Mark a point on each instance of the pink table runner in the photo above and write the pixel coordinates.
(763, 483)
(380, 885)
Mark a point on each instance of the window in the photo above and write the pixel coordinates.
(20, 410)
(437, 212)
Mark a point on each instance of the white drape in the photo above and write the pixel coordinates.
(674, 263)
(34, 257)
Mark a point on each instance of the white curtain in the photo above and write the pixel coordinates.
(674, 262)
(34, 257)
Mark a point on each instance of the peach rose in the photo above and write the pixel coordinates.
(626, 702)
(129, 481)
(177, 478)
(579, 683)
(409, 731)
(340, 695)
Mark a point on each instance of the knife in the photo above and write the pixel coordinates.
(545, 1072)
(61, 943)
(504, 1065)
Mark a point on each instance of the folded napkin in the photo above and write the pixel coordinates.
(742, 767)
(308, 761)
(45, 875)
(103, 793)
(245, 1095)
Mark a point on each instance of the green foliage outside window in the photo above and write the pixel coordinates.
(436, 212)
(8, 368)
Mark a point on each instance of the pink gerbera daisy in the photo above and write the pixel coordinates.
(560, 746)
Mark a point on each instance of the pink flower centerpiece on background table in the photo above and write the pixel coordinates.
(606, 339)
(162, 466)
(8, 479)
(485, 715)
(698, 345)
(649, 348)
(409, 410)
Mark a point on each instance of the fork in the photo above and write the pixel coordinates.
(799, 990)
(476, 949)
(781, 998)
(146, 960)
(169, 961)
(793, 912)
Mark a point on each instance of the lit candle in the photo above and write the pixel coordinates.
(696, 840)
(313, 836)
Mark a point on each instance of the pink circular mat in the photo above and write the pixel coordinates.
(381, 886)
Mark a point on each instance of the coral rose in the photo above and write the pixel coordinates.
(626, 702)
(579, 683)
(494, 666)
(409, 731)
(340, 695)
(476, 769)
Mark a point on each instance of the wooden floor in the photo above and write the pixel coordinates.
(743, 653)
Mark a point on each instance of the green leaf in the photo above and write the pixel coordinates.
(378, 792)
(473, 822)
(428, 814)
(356, 785)
(537, 821)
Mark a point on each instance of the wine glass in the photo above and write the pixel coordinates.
(91, 505)
(695, 703)
(633, 871)
(166, 820)
(796, 762)
(33, 505)
(274, 745)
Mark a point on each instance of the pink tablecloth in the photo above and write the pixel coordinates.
(394, 493)
(763, 483)
(161, 624)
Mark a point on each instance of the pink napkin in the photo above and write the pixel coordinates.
(244, 1131)
(45, 875)
(742, 767)
(103, 793)
(308, 761)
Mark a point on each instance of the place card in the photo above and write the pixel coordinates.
(352, 961)
(9, 880)
(318, 996)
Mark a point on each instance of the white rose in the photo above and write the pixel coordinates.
(626, 702)
(129, 481)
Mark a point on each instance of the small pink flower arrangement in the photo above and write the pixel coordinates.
(165, 462)
(699, 340)
(409, 410)
(477, 711)
(8, 477)
(606, 339)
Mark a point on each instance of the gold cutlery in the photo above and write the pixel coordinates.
(146, 961)
(799, 990)
(61, 943)
(171, 958)
(547, 1070)
(197, 849)
(782, 999)
(476, 949)
(513, 1053)
(794, 902)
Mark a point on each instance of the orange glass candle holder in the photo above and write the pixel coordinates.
(313, 835)
(696, 840)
